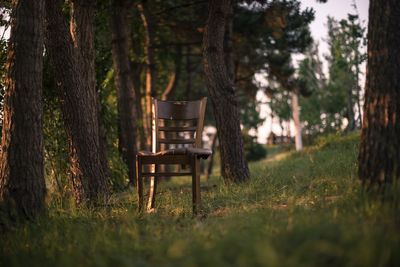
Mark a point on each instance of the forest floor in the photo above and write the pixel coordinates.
(298, 209)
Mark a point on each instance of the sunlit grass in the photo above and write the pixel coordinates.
(299, 209)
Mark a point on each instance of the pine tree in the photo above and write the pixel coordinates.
(379, 155)
(22, 185)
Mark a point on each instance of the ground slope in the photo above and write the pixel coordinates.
(299, 209)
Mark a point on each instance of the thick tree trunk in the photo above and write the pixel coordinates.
(296, 120)
(151, 70)
(82, 31)
(379, 155)
(22, 185)
(221, 89)
(124, 84)
(78, 108)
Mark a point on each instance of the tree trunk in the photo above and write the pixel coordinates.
(151, 70)
(124, 84)
(379, 155)
(296, 119)
(82, 31)
(78, 108)
(221, 89)
(22, 184)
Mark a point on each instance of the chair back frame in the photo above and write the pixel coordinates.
(177, 111)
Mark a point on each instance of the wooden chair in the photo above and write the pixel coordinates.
(176, 140)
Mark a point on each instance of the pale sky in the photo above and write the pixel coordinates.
(333, 8)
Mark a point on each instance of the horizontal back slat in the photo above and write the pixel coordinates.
(178, 129)
(178, 110)
(177, 141)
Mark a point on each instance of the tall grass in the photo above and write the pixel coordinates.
(299, 209)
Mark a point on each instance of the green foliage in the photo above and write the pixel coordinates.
(311, 107)
(250, 119)
(285, 31)
(253, 150)
(288, 32)
(250, 115)
(299, 209)
(108, 98)
(279, 105)
(54, 136)
(325, 109)
(344, 60)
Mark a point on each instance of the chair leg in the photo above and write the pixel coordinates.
(152, 192)
(139, 183)
(195, 184)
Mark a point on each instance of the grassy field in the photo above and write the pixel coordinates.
(299, 209)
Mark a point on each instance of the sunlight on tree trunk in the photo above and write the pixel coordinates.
(82, 31)
(78, 108)
(22, 184)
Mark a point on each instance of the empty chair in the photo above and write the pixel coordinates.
(177, 128)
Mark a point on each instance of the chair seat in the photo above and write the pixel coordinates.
(190, 151)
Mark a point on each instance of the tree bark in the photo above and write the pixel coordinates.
(151, 70)
(22, 184)
(124, 84)
(296, 120)
(379, 155)
(221, 89)
(78, 108)
(82, 31)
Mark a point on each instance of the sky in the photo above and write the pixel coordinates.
(333, 8)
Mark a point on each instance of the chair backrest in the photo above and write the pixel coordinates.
(177, 123)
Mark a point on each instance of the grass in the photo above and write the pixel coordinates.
(299, 209)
